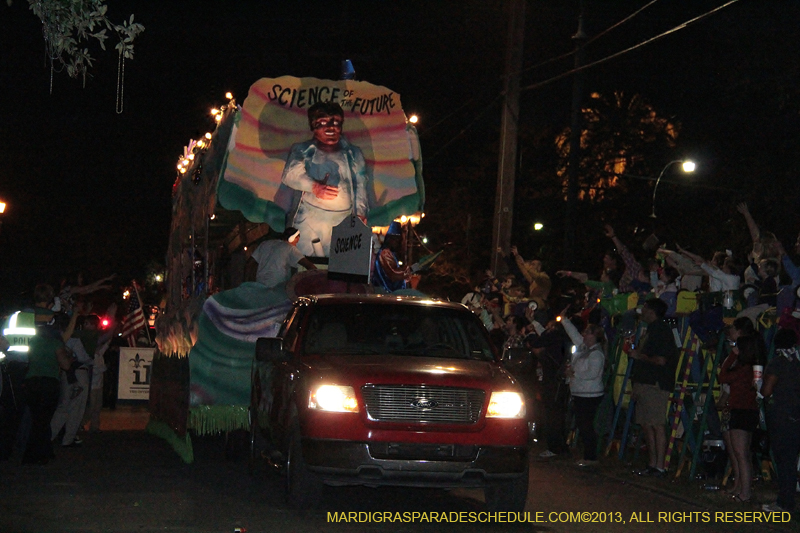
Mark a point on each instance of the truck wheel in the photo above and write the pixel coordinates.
(507, 495)
(303, 487)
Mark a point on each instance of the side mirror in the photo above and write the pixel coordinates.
(270, 349)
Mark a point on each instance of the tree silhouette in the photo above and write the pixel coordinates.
(623, 134)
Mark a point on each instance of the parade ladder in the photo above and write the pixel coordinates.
(620, 400)
(691, 346)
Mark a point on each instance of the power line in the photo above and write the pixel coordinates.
(602, 33)
(625, 51)
(562, 56)
(468, 126)
(429, 128)
(568, 54)
(573, 71)
(621, 22)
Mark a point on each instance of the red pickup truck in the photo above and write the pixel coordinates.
(389, 390)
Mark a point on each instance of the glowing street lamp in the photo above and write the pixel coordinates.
(688, 167)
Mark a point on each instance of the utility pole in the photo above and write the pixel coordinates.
(506, 172)
(576, 127)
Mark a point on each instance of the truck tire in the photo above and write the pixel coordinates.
(303, 487)
(508, 495)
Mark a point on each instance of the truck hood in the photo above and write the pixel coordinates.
(360, 370)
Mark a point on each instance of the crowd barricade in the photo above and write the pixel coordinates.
(691, 413)
(619, 303)
(686, 302)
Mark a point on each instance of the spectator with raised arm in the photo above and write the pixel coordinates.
(606, 286)
(691, 276)
(765, 244)
(585, 373)
(724, 278)
(665, 287)
(72, 289)
(511, 263)
(540, 283)
(633, 279)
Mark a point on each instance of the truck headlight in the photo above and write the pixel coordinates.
(506, 404)
(336, 398)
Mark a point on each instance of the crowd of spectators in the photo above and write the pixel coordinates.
(54, 393)
(727, 295)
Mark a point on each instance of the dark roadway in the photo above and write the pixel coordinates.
(130, 481)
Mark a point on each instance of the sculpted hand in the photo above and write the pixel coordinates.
(324, 192)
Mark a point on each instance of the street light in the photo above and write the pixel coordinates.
(688, 166)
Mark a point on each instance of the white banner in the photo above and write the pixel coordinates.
(135, 369)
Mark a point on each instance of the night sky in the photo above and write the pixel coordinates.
(89, 189)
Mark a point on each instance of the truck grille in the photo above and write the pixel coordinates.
(414, 403)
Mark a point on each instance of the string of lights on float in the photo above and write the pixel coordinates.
(192, 158)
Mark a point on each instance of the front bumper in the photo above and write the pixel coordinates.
(430, 465)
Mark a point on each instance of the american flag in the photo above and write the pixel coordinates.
(134, 320)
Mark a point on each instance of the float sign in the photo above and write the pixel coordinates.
(351, 251)
(135, 369)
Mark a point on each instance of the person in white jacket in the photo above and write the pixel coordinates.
(585, 373)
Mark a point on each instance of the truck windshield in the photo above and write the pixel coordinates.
(411, 330)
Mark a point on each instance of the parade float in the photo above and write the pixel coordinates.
(228, 196)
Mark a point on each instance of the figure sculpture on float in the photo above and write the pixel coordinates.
(332, 177)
